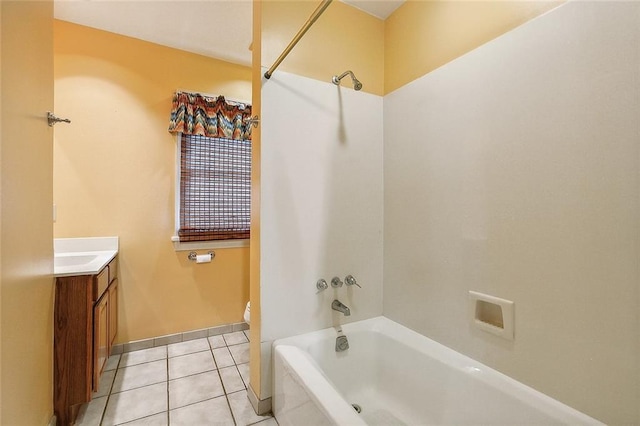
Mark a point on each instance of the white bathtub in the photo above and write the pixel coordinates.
(399, 377)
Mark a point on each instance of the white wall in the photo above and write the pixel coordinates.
(514, 171)
(321, 205)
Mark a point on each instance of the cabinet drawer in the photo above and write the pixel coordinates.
(100, 283)
(113, 270)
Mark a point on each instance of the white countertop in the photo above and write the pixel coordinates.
(83, 256)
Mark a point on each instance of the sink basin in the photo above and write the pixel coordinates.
(73, 260)
(82, 256)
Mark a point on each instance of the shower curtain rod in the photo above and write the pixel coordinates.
(313, 18)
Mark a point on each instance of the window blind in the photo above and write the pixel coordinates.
(215, 188)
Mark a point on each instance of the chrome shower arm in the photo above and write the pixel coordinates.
(336, 79)
(356, 83)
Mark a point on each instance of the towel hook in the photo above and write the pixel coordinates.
(252, 121)
(52, 119)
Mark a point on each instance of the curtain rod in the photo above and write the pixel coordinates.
(211, 95)
(313, 18)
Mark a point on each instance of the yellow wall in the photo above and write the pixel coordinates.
(256, 324)
(420, 36)
(342, 38)
(26, 279)
(417, 38)
(114, 171)
(0, 213)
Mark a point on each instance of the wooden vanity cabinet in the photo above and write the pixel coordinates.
(85, 325)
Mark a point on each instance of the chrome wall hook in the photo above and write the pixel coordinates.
(253, 121)
(52, 119)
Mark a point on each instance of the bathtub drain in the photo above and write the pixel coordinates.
(357, 408)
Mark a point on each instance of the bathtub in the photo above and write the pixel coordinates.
(395, 376)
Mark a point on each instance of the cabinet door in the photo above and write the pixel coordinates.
(73, 342)
(100, 338)
(113, 312)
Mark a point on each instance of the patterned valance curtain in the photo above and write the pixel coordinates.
(214, 117)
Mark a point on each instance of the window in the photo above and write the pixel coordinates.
(214, 188)
(213, 171)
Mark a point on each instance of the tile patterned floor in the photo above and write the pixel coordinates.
(198, 382)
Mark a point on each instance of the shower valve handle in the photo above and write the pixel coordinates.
(350, 280)
(321, 284)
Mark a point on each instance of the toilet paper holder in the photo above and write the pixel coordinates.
(193, 256)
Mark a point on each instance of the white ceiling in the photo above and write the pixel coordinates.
(219, 29)
(378, 8)
(215, 28)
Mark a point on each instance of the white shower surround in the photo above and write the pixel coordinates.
(519, 177)
(321, 205)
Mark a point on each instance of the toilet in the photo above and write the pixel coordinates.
(247, 312)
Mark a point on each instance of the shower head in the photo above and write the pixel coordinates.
(356, 83)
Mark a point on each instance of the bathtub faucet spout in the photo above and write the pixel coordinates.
(340, 307)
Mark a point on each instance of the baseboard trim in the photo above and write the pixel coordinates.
(260, 406)
(137, 345)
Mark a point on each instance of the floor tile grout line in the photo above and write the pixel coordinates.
(135, 420)
(168, 397)
(226, 396)
(195, 402)
(189, 353)
(139, 387)
(104, 410)
(189, 375)
(224, 389)
(142, 363)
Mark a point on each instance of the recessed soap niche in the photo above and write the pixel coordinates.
(492, 314)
